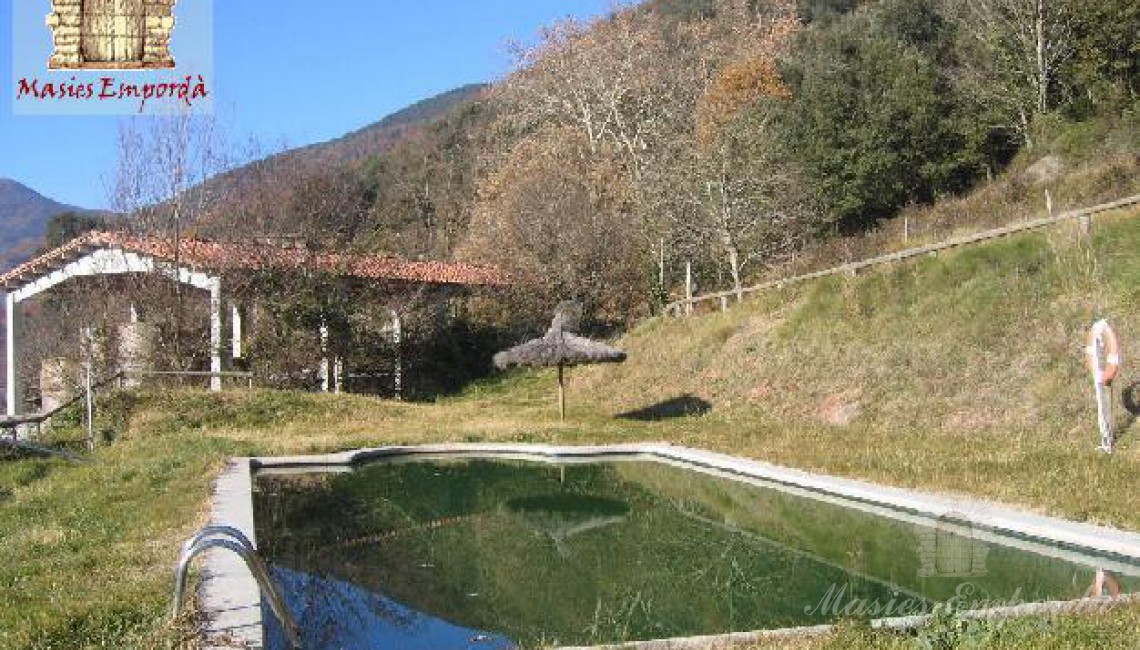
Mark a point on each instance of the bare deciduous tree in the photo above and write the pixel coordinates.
(751, 204)
(637, 85)
(161, 188)
(1013, 52)
(558, 217)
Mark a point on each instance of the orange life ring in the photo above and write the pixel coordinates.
(1102, 330)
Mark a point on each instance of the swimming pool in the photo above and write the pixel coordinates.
(494, 549)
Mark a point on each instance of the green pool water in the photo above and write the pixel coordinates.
(492, 553)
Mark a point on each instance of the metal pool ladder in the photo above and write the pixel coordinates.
(234, 540)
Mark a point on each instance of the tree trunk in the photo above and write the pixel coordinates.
(176, 231)
(661, 267)
(1042, 66)
(1021, 114)
(734, 269)
(688, 287)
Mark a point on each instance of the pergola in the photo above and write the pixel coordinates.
(202, 264)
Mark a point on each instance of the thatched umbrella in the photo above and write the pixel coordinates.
(562, 516)
(559, 347)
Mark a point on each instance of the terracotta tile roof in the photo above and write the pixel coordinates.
(226, 256)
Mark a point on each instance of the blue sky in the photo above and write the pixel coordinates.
(289, 73)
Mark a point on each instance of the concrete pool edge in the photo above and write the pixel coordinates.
(733, 639)
(230, 597)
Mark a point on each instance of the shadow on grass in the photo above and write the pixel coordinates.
(677, 407)
(1130, 397)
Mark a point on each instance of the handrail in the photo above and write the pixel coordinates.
(676, 307)
(216, 530)
(212, 537)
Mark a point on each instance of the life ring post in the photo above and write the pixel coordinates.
(1104, 358)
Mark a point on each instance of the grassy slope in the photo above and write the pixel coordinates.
(967, 369)
(983, 393)
(1094, 162)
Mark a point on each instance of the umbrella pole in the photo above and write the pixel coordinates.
(561, 396)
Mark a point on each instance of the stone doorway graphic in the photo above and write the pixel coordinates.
(111, 34)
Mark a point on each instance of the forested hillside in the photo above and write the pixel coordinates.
(741, 138)
(735, 135)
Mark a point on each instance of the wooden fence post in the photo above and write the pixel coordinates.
(688, 287)
(90, 409)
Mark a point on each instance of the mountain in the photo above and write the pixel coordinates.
(371, 140)
(380, 136)
(24, 214)
(400, 143)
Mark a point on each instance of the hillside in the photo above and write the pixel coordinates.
(963, 371)
(372, 140)
(331, 193)
(735, 139)
(382, 135)
(24, 213)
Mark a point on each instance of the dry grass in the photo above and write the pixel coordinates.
(964, 373)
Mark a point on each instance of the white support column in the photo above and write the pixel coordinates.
(338, 375)
(236, 334)
(325, 370)
(14, 390)
(216, 333)
(398, 370)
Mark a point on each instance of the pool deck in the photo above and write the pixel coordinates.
(230, 599)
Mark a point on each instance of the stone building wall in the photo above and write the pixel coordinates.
(137, 342)
(59, 382)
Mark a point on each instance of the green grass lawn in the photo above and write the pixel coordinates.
(964, 373)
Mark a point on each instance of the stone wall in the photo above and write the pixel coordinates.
(137, 343)
(59, 382)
